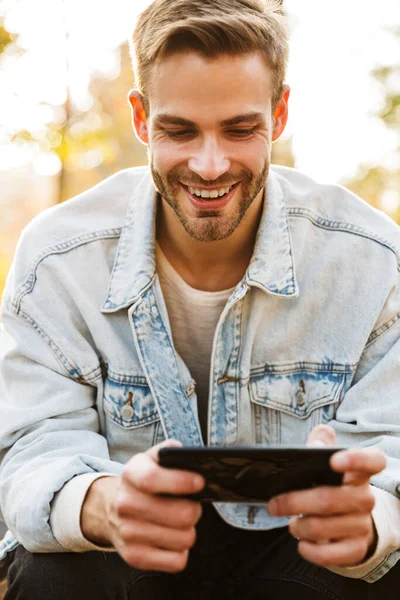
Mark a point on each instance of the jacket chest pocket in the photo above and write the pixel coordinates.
(132, 419)
(286, 406)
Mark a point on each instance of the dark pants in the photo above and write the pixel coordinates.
(225, 563)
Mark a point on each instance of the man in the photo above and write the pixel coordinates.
(217, 300)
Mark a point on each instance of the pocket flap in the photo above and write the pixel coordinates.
(297, 393)
(129, 402)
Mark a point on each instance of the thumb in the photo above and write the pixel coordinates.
(321, 435)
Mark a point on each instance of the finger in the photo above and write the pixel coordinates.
(177, 513)
(149, 534)
(320, 529)
(146, 558)
(364, 460)
(344, 553)
(322, 435)
(153, 452)
(356, 478)
(146, 475)
(324, 500)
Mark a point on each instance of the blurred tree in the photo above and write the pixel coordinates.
(91, 144)
(101, 141)
(5, 37)
(380, 185)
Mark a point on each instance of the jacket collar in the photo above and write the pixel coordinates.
(271, 268)
(134, 265)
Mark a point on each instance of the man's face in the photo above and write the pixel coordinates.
(210, 133)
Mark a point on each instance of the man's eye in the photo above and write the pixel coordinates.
(181, 133)
(242, 132)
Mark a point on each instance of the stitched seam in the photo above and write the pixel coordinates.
(328, 224)
(62, 248)
(127, 379)
(73, 371)
(376, 569)
(381, 330)
(163, 328)
(239, 315)
(290, 250)
(303, 367)
(311, 407)
(133, 423)
(311, 367)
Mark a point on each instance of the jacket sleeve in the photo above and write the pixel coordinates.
(49, 428)
(386, 516)
(369, 414)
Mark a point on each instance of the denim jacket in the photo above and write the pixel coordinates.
(89, 375)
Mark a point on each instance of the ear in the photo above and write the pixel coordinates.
(281, 114)
(139, 117)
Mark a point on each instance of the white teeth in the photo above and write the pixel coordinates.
(224, 191)
(212, 194)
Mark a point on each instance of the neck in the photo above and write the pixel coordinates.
(209, 266)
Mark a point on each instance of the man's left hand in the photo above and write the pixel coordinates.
(334, 525)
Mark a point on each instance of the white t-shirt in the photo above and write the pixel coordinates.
(193, 316)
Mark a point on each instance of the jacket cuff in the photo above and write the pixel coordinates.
(386, 515)
(65, 515)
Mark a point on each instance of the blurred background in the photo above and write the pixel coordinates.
(65, 124)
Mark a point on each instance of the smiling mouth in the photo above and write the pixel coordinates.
(210, 194)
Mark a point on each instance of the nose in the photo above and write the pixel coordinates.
(210, 161)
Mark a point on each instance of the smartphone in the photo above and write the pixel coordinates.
(253, 474)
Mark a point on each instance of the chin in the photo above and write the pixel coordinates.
(210, 229)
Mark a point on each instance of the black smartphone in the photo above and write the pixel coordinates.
(253, 474)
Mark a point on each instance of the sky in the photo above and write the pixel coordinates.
(334, 46)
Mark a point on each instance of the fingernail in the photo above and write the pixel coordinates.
(341, 461)
(198, 482)
(171, 443)
(317, 444)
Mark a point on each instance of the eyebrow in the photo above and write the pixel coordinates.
(243, 118)
(167, 119)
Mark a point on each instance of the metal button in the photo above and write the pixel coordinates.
(300, 398)
(127, 412)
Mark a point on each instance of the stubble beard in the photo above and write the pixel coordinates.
(209, 226)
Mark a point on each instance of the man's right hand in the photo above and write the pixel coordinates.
(149, 531)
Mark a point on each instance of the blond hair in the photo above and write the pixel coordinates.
(212, 28)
